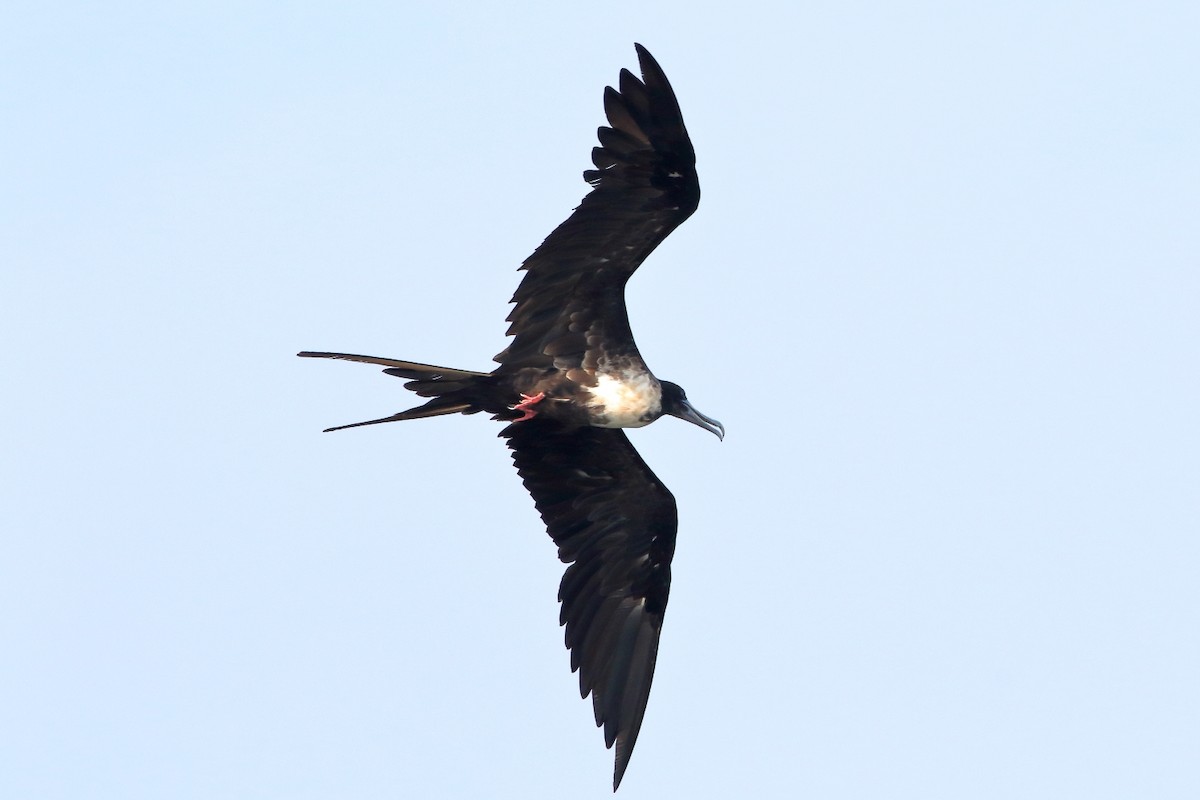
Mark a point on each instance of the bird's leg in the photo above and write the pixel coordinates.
(528, 401)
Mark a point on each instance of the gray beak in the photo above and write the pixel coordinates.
(690, 414)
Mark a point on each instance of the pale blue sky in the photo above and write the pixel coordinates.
(943, 289)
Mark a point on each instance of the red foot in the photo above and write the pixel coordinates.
(528, 401)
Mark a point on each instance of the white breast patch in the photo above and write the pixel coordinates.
(625, 399)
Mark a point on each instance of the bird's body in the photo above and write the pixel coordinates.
(625, 396)
(571, 379)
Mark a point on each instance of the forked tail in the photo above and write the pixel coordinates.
(454, 391)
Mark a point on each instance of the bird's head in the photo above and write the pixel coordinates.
(675, 403)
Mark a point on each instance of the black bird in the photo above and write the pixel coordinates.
(571, 378)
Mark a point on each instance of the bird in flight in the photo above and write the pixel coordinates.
(571, 378)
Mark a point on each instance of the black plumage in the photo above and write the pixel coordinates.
(570, 378)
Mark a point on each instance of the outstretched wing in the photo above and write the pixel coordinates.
(614, 524)
(570, 306)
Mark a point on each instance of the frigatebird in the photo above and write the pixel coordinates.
(571, 379)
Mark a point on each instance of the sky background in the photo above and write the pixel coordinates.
(943, 289)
